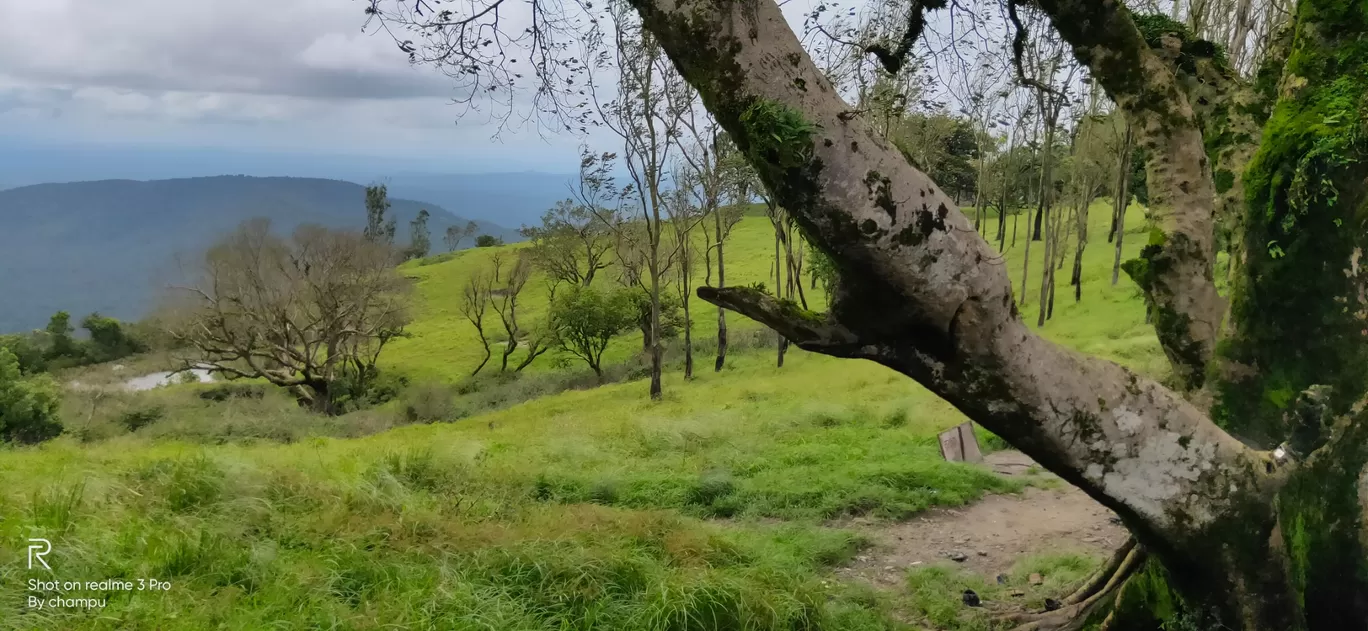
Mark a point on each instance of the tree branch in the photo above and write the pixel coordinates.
(894, 60)
(1176, 269)
(809, 330)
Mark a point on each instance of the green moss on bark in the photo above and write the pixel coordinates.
(1322, 525)
(1154, 26)
(1171, 326)
(1296, 310)
(1298, 315)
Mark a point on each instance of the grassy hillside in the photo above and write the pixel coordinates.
(444, 345)
(588, 509)
(1109, 323)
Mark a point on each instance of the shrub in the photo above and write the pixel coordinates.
(137, 419)
(28, 406)
(586, 319)
(233, 391)
(352, 391)
(109, 340)
(27, 350)
(429, 402)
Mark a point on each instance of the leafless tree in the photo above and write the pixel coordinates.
(304, 313)
(474, 305)
(647, 116)
(572, 243)
(716, 172)
(505, 290)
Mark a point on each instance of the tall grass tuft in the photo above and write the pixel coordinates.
(56, 508)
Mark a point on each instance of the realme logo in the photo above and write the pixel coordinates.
(39, 548)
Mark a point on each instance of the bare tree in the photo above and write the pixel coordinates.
(684, 217)
(572, 243)
(646, 116)
(507, 284)
(474, 306)
(716, 172)
(304, 313)
(1087, 175)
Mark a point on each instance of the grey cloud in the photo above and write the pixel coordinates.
(300, 48)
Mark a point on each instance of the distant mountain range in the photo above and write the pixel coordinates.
(109, 245)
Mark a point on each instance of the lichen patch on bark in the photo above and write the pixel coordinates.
(1156, 473)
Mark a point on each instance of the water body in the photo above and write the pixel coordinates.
(159, 379)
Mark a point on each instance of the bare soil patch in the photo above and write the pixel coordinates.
(987, 537)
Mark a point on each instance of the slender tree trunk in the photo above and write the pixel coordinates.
(1002, 226)
(688, 343)
(1047, 266)
(487, 354)
(1016, 216)
(1121, 200)
(1077, 276)
(721, 313)
(780, 342)
(1039, 219)
(1060, 248)
(657, 352)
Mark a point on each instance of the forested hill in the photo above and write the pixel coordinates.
(108, 245)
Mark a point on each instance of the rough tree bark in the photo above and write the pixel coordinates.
(1260, 540)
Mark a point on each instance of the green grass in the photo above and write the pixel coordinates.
(444, 345)
(935, 593)
(562, 508)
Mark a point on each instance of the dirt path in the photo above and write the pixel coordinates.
(988, 536)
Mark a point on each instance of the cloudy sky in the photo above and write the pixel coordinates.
(286, 76)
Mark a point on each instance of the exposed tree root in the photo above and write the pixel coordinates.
(1082, 602)
(1103, 575)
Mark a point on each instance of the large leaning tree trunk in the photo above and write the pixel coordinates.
(1259, 539)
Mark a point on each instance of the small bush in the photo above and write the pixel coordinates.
(233, 391)
(386, 387)
(56, 508)
(604, 492)
(186, 483)
(134, 420)
(710, 489)
(416, 469)
(429, 402)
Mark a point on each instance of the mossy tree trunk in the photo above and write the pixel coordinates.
(1236, 534)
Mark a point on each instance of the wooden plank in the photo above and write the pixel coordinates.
(969, 446)
(950, 444)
